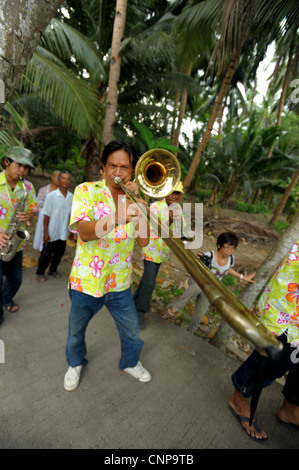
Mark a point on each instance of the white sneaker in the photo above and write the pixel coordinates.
(139, 372)
(72, 377)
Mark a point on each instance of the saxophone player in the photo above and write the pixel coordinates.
(16, 166)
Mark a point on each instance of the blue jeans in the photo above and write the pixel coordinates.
(244, 378)
(144, 291)
(11, 271)
(121, 307)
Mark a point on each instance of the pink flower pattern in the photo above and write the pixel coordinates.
(77, 262)
(115, 259)
(3, 212)
(97, 265)
(129, 260)
(283, 318)
(82, 216)
(101, 210)
(293, 254)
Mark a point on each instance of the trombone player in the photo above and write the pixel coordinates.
(107, 223)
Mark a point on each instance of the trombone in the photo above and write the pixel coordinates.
(157, 173)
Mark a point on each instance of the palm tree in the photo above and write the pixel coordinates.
(54, 75)
(114, 74)
(20, 28)
(281, 204)
(64, 52)
(235, 20)
(227, 10)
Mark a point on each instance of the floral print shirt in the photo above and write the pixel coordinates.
(103, 265)
(9, 199)
(157, 251)
(279, 303)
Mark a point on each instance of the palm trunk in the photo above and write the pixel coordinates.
(217, 106)
(183, 103)
(283, 200)
(283, 92)
(175, 107)
(92, 159)
(114, 73)
(229, 190)
(220, 120)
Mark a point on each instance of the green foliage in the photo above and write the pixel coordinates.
(167, 294)
(229, 280)
(258, 208)
(232, 283)
(202, 194)
(77, 173)
(281, 226)
(151, 142)
(3, 151)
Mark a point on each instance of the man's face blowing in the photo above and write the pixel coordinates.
(118, 165)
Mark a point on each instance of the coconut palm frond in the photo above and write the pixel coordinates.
(7, 137)
(14, 114)
(147, 53)
(196, 13)
(71, 99)
(163, 82)
(69, 44)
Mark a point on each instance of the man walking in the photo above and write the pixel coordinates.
(56, 211)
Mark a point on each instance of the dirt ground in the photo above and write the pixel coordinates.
(256, 240)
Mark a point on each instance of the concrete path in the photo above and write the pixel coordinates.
(185, 406)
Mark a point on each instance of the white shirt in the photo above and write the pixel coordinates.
(58, 208)
(220, 271)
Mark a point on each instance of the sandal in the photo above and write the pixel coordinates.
(172, 313)
(288, 425)
(243, 419)
(55, 274)
(13, 308)
(41, 277)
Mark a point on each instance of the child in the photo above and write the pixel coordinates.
(222, 261)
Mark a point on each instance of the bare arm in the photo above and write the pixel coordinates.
(240, 276)
(46, 225)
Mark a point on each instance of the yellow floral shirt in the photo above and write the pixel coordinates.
(103, 265)
(279, 303)
(9, 199)
(157, 251)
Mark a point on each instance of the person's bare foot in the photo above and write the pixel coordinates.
(239, 406)
(288, 414)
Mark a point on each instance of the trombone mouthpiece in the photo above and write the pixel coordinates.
(117, 180)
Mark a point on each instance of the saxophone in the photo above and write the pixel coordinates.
(15, 231)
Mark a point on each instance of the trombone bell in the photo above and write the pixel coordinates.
(157, 173)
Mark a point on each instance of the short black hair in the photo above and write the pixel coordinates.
(227, 237)
(115, 145)
(62, 172)
(9, 161)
